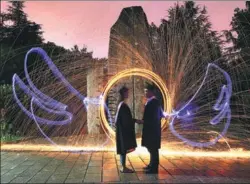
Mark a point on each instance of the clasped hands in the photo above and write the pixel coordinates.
(139, 121)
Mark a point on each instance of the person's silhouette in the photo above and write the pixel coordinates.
(151, 132)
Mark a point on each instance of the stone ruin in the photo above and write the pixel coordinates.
(133, 42)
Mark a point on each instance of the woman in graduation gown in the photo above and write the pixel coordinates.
(125, 130)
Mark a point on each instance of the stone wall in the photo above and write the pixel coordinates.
(129, 47)
(133, 43)
(94, 89)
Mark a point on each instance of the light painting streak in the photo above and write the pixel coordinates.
(45, 102)
(50, 105)
(222, 138)
(220, 105)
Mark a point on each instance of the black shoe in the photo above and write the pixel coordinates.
(146, 168)
(126, 170)
(152, 171)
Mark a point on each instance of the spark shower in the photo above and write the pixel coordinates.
(50, 105)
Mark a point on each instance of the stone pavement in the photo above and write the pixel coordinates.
(97, 167)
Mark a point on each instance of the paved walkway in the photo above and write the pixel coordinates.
(62, 167)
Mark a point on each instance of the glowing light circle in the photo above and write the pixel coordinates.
(135, 72)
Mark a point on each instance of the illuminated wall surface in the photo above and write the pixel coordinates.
(60, 106)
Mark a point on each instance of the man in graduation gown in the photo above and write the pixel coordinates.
(125, 130)
(151, 132)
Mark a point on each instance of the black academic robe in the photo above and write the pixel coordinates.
(151, 131)
(125, 130)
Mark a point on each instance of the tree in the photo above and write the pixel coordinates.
(241, 25)
(239, 37)
(237, 59)
(190, 22)
(20, 31)
(239, 34)
(189, 44)
(79, 53)
(17, 35)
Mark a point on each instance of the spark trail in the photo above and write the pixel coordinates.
(51, 105)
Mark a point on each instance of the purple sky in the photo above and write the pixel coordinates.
(88, 22)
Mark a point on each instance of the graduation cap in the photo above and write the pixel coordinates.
(123, 90)
(150, 86)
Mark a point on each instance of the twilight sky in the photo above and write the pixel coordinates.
(88, 22)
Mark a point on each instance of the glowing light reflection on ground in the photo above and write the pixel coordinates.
(234, 153)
